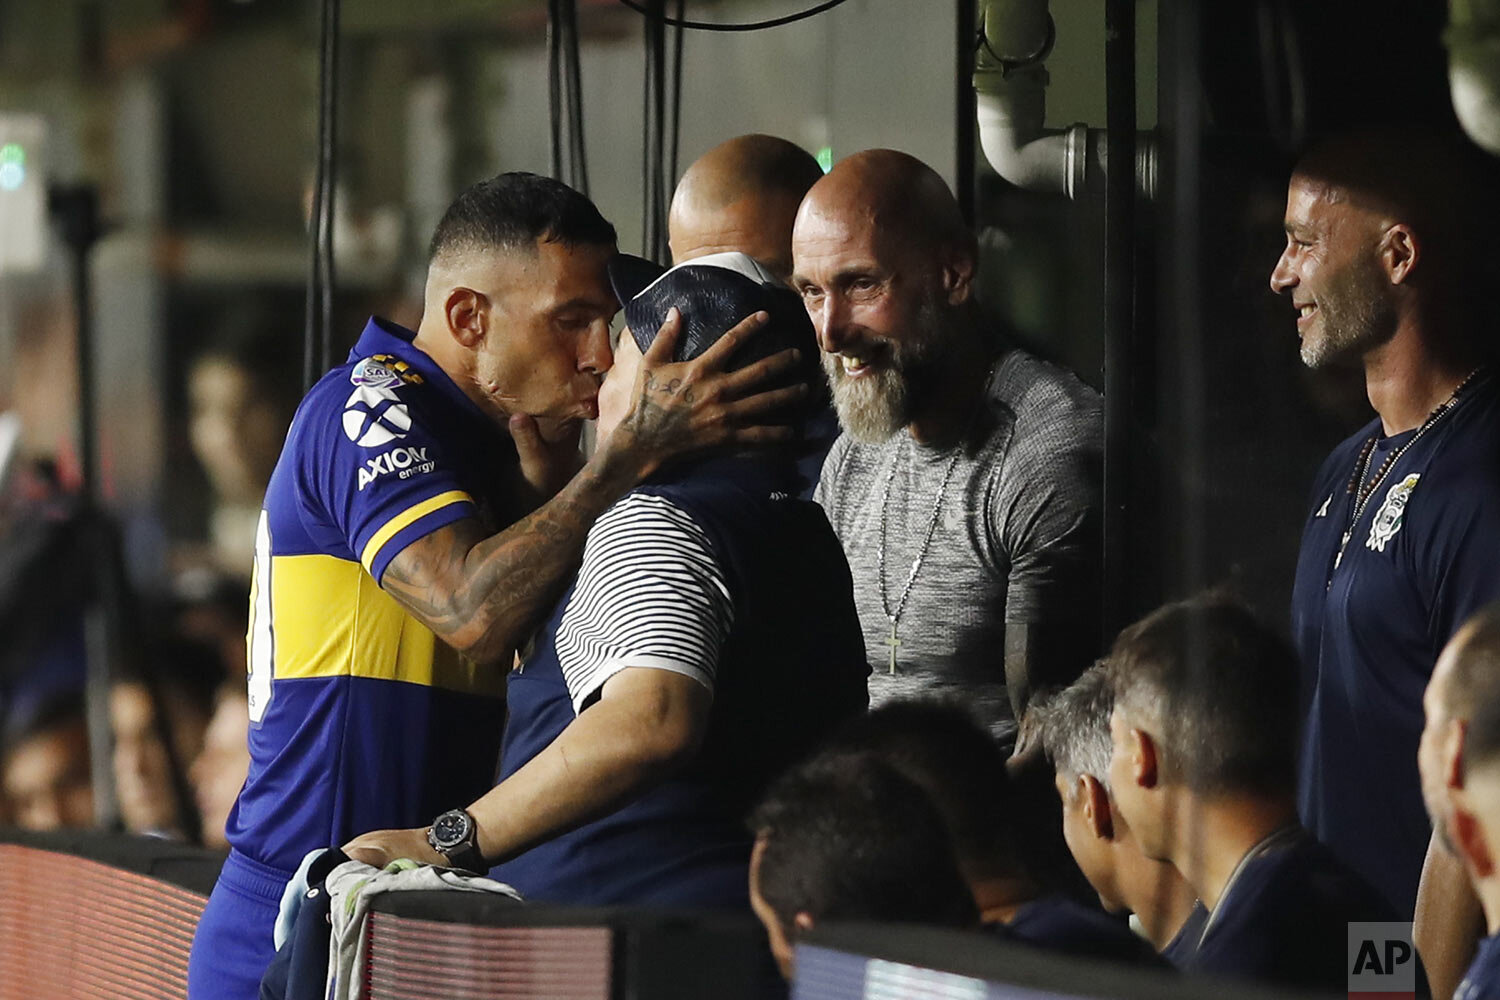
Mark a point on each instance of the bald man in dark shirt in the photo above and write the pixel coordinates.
(742, 195)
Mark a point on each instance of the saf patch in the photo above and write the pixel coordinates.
(383, 371)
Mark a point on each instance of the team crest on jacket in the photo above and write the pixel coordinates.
(1389, 517)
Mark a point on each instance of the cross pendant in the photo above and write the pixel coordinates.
(893, 642)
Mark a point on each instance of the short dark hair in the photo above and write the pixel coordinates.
(1219, 689)
(941, 747)
(848, 838)
(1433, 179)
(1473, 689)
(512, 211)
(1075, 726)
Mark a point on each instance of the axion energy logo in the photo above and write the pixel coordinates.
(1382, 962)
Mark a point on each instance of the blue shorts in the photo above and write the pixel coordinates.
(234, 944)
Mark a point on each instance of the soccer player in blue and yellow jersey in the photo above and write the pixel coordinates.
(410, 538)
(708, 641)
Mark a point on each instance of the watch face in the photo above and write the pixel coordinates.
(450, 829)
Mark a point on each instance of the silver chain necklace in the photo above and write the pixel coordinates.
(894, 617)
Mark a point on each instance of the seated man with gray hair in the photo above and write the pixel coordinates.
(708, 642)
(1075, 732)
(1204, 734)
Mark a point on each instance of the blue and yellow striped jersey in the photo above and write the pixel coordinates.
(360, 718)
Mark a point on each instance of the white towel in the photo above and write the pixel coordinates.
(353, 884)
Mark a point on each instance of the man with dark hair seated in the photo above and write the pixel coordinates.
(846, 836)
(1204, 735)
(708, 641)
(943, 749)
(1074, 725)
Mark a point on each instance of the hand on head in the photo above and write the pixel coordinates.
(685, 407)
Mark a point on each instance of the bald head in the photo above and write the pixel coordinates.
(892, 194)
(742, 195)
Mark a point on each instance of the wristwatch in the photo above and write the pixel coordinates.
(455, 836)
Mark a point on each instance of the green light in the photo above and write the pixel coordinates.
(13, 153)
(825, 158)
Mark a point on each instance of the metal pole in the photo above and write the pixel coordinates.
(76, 210)
(964, 174)
(1120, 189)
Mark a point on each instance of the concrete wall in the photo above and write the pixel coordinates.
(869, 73)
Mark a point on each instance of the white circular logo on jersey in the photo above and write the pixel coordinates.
(375, 416)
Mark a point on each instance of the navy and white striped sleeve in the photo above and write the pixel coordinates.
(649, 594)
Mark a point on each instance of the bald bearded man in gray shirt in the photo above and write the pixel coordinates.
(965, 487)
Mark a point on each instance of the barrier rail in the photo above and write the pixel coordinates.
(92, 915)
(95, 915)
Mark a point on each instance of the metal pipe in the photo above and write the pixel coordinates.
(1016, 31)
(1010, 81)
(1473, 40)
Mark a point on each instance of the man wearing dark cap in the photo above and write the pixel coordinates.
(708, 641)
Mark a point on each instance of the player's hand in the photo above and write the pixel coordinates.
(548, 453)
(689, 406)
(381, 847)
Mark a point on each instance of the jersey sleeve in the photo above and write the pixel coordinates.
(381, 475)
(650, 593)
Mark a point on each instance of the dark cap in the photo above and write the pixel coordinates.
(712, 293)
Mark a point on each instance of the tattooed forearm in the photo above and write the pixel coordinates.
(483, 596)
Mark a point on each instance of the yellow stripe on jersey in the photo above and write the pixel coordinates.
(405, 519)
(331, 619)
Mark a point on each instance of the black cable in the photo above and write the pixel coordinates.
(310, 350)
(654, 132)
(332, 173)
(317, 347)
(646, 148)
(646, 145)
(678, 34)
(554, 87)
(580, 163)
(775, 22)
